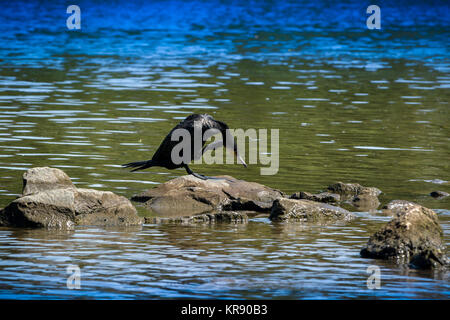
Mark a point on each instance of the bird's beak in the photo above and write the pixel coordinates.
(240, 159)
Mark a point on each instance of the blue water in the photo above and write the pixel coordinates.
(168, 32)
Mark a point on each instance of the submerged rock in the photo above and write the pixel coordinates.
(60, 205)
(188, 196)
(307, 211)
(324, 197)
(207, 218)
(439, 194)
(360, 197)
(365, 201)
(413, 236)
(350, 190)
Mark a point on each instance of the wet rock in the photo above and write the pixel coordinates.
(65, 207)
(439, 194)
(188, 195)
(307, 211)
(50, 209)
(44, 178)
(324, 197)
(104, 208)
(398, 205)
(206, 218)
(366, 202)
(413, 236)
(350, 190)
(242, 204)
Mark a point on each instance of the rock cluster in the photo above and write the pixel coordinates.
(325, 197)
(359, 197)
(50, 200)
(190, 195)
(189, 199)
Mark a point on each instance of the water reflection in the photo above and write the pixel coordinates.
(254, 260)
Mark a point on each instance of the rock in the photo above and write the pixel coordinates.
(242, 204)
(413, 236)
(188, 195)
(324, 197)
(44, 178)
(307, 211)
(365, 202)
(50, 209)
(350, 190)
(362, 198)
(207, 218)
(93, 207)
(439, 194)
(398, 205)
(65, 207)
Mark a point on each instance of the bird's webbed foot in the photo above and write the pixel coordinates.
(200, 176)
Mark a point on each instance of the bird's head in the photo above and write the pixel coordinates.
(238, 155)
(230, 142)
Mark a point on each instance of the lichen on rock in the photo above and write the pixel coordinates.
(413, 236)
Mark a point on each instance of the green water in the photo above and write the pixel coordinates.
(386, 128)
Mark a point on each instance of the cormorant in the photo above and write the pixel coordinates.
(163, 156)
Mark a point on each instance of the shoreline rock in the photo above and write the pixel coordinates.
(413, 236)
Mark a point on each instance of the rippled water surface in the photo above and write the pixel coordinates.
(351, 105)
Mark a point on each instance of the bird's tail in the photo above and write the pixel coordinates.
(140, 165)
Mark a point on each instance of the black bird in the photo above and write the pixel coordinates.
(163, 156)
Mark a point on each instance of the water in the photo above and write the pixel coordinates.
(351, 104)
